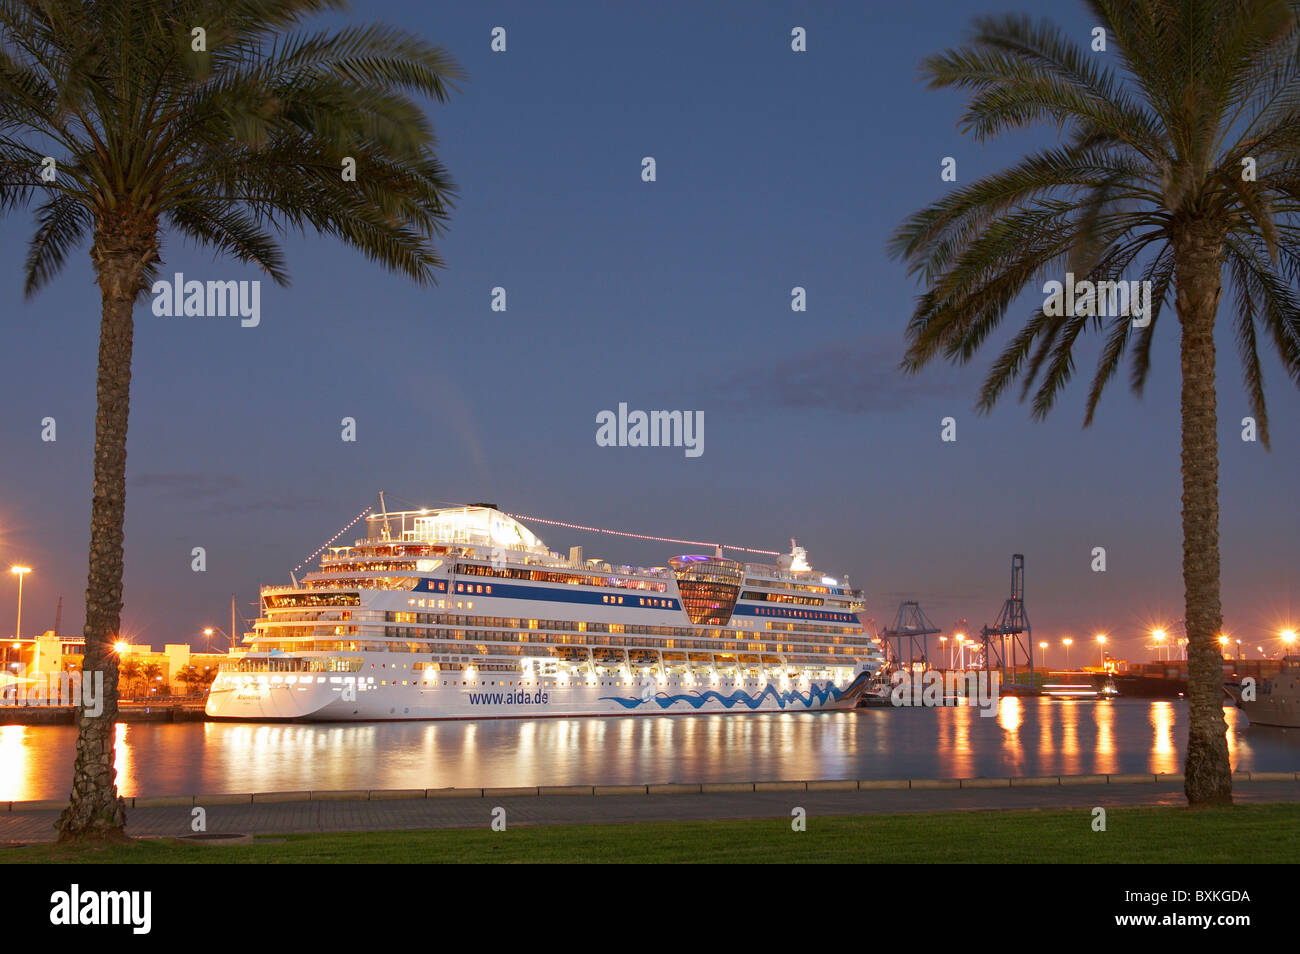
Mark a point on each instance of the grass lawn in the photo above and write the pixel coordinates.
(1138, 834)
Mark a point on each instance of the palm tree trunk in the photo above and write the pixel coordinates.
(1198, 251)
(121, 252)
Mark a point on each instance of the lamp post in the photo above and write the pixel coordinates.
(1043, 647)
(1101, 649)
(208, 631)
(21, 571)
(1288, 640)
(943, 649)
(1159, 636)
(1066, 643)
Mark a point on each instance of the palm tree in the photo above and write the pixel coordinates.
(150, 673)
(191, 678)
(1179, 155)
(129, 670)
(224, 123)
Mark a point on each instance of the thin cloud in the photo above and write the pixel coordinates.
(854, 376)
(212, 494)
(188, 486)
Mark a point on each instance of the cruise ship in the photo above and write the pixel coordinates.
(463, 613)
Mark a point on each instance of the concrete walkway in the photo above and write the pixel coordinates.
(282, 813)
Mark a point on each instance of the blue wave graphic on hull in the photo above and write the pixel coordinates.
(697, 699)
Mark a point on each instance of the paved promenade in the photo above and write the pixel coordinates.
(287, 812)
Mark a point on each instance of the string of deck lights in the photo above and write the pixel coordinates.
(639, 536)
(311, 556)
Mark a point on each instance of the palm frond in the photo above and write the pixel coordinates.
(62, 224)
(1153, 137)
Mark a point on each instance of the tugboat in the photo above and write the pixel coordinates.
(1275, 701)
(877, 691)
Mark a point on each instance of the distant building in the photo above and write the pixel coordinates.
(48, 653)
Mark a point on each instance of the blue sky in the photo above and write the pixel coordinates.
(775, 169)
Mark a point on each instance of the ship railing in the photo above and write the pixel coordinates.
(298, 616)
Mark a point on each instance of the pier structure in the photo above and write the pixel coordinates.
(1011, 638)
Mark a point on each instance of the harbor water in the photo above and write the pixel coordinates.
(1028, 736)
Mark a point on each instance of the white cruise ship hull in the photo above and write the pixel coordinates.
(321, 699)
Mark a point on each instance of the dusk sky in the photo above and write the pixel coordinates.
(775, 169)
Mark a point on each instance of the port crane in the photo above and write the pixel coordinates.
(1011, 638)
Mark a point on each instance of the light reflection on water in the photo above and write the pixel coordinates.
(1023, 737)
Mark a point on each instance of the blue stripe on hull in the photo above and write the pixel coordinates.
(739, 697)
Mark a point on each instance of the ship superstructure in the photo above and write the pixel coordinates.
(463, 613)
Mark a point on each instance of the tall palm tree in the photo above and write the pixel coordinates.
(1179, 157)
(222, 122)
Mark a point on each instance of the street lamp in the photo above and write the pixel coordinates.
(1101, 648)
(209, 630)
(1066, 643)
(21, 571)
(1043, 647)
(943, 649)
(1288, 639)
(1159, 636)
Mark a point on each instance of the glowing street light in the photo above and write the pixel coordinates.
(21, 571)
(1159, 636)
(1066, 643)
(1043, 647)
(209, 630)
(1101, 648)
